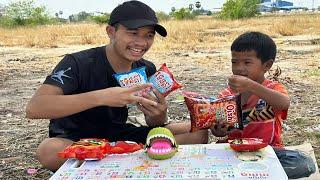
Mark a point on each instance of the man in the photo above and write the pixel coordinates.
(83, 99)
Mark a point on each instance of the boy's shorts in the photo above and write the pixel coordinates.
(124, 132)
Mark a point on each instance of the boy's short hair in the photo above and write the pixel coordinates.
(262, 44)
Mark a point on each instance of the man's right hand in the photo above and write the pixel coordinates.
(119, 97)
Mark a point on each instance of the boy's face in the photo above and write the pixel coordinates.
(132, 44)
(249, 65)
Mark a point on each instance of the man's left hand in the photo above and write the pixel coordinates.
(155, 115)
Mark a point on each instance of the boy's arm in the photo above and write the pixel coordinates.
(49, 102)
(274, 98)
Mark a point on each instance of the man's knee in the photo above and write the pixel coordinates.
(47, 152)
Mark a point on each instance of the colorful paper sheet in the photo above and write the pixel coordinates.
(205, 161)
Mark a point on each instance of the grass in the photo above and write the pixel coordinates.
(183, 35)
(314, 72)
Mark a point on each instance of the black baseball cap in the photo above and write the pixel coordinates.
(135, 14)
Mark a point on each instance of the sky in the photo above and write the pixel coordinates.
(69, 7)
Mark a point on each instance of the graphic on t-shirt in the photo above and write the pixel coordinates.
(260, 112)
(57, 76)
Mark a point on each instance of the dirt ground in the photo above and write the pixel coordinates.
(22, 70)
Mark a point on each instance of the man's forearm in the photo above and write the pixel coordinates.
(57, 106)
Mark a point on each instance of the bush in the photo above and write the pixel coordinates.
(101, 19)
(24, 13)
(238, 9)
(7, 22)
(162, 16)
(183, 13)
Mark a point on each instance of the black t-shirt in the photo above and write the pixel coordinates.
(82, 72)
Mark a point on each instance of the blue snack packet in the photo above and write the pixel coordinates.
(133, 77)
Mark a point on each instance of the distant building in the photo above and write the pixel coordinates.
(269, 5)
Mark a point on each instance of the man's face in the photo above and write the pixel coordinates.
(132, 44)
(249, 65)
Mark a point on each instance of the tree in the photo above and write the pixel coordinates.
(198, 4)
(82, 16)
(103, 18)
(173, 9)
(237, 9)
(183, 13)
(25, 12)
(190, 7)
(60, 13)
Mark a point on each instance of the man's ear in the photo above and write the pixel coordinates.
(111, 31)
(267, 65)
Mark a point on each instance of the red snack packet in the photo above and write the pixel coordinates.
(122, 147)
(164, 81)
(86, 149)
(95, 149)
(247, 144)
(205, 111)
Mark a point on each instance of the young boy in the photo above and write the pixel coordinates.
(264, 102)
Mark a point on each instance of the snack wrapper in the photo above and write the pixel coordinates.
(133, 77)
(206, 111)
(164, 81)
(96, 149)
(86, 149)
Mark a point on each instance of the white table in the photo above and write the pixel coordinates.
(201, 161)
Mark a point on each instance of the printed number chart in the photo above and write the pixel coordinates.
(201, 161)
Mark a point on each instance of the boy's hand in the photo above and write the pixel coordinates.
(119, 97)
(155, 114)
(240, 84)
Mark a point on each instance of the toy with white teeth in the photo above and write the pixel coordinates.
(161, 144)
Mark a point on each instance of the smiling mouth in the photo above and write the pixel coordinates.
(137, 51)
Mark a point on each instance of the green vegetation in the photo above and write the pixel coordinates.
(183, 13)
(162, 16)
(314, 72)
(101, 19)
(238, 9)
(24, 13)
(299, 121)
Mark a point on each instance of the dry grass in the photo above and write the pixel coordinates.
(187, 35)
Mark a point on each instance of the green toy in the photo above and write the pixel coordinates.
(161, 144)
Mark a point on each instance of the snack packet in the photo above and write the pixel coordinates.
(164, 81)
(206, 111)
(90, 148)
(133, 77)
(95, 149)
